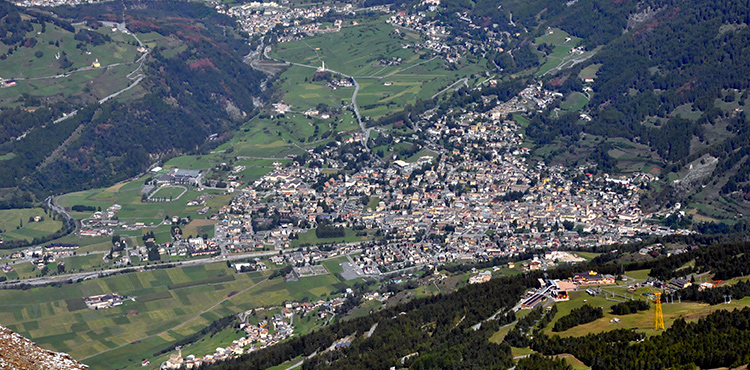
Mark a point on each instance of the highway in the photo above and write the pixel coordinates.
(45, 280)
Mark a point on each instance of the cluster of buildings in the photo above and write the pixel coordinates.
(262, 335)
(550, 259)
(257, 18)
(181, 177)
(282, 329)
(255, 265)
(201, 247)
(481, 277)
(437, 33)
(475, 198)
(101, 223)
(342, 82)
(29, 3)
(7, 83)
(557, 290)
(104, 301)
(369, 296)
(41, 256)
(538, 96)
(418, 22)
(532, 98)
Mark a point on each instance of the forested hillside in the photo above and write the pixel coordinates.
(440, 330)
(685, 55)
(201, 90)
(719, 340)
(671, 79)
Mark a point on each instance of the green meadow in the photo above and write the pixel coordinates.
(15, 224)
(170, 304)
(39, 73)
(357, 51)
(133, 210)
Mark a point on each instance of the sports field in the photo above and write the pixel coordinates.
(169, 192)
(133, 210)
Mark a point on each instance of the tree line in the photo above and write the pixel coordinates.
(722, 339)
(578, 316)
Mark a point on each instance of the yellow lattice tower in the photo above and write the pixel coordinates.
(658, 315)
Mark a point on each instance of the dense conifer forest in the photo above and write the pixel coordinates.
(442, 330)
(189, 98)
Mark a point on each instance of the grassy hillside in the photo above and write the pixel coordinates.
(19, 224)
(182, 98)
(363, 52)
(170, 305)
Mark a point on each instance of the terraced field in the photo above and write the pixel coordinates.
(169, 305)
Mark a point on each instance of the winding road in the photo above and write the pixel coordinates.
(365, 131)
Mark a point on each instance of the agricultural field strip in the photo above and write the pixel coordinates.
(399, 70)
(184, 322)
(51, 279)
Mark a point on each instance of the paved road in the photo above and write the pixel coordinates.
(97, 274)
(298, 364)
(372, 330)
(575, 60)
(464, 80)
(365, 131)
(134, 75)
(53, 205)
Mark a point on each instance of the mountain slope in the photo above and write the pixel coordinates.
(672, 79)
(197, 88)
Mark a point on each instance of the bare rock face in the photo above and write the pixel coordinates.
(17, 352)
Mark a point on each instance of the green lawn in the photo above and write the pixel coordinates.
(44, 314)
(208, 344)
(590, 71)
(641, 321)
(263, 137)
(574, 102)
(587, 255)
(7, 156)
(15, 224)
(356, 51)
(169, 192)
(334, 265)
(640, 275)
(573, 361)
(372, 204)
(309, 237)
(84, 262)
(41, 61)
(133, 210)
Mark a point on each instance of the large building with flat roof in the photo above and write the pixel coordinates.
(182, 177)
